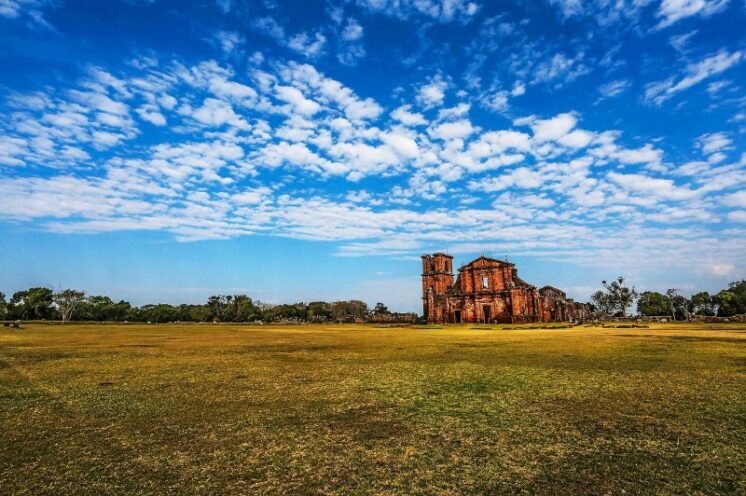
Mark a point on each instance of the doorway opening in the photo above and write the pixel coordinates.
(457, 317)
(486, 311)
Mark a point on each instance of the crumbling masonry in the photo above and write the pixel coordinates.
(489, 290)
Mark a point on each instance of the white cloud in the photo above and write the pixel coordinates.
(714, 142)
(645, 185)
(252, 196)
(294, 97)
(440, 10)
(151, 114)
(576, 139)
(614, 88)
(432, 94)
(229, 40)
(550, 129)
(695, 73)
(310, 46)
(680, 41)
(404, 115)
(547, 192)
(214, 112)
(646, 154)
(737, 199)
(350, 48)
(31, 8)
(672, 11)
(352, 31)
(270, 27)
(403, 145)
(518, 89)
(559, 68)
(569, 8)
(496, 101)
(452, 130)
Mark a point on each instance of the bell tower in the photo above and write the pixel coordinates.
(437, 277)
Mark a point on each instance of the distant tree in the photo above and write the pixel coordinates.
(652, 303)
(381, 309)
(703, 304)
(296, 311)
(679, 305)
(66, 300)
(158, 314)
(732, 301)
(241, 309)
(101, 309)
(194, 313)
(219, 305)
(3, 306)
(616, 297)
(31, 304)
(263, 306)
(602, 302)
(349, 310)
(318, 311)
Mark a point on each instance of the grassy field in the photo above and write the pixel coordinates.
(206, 409)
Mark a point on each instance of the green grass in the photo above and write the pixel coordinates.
(205, 409)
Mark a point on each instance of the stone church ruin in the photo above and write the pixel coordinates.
(489, 291)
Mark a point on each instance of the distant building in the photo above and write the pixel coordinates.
(489, 290)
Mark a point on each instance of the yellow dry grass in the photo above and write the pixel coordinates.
(223, 409)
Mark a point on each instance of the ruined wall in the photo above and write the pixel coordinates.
(489, 290)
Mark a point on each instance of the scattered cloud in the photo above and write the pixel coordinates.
(672, 11)
(614, 88)
(306, 44)
(433, 93)
(695, 73)
(439, 10)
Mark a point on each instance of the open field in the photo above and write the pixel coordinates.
(204, 409)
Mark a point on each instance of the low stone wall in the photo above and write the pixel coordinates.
(704, 318)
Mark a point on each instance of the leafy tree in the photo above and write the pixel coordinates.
(652, 303)
(194, 313)
(318, 311)
(349, 310)
(219, 305)
(616, 298)
(241, 309)
(99, 307)
(32, 304)
(703, 304)
(381, 309)
(732, 301)
(295, 311)
(158, 314)
(66, 300)
(679, 304)
(602, 302)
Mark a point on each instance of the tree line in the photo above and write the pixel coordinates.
(616, 298)
(73, 305)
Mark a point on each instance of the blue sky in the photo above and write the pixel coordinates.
(299, 150)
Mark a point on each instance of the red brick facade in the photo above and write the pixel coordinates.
(489, 290)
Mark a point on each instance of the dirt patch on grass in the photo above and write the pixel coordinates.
(693, 339)
(287, 348)
(702, 339)
(368, 423)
